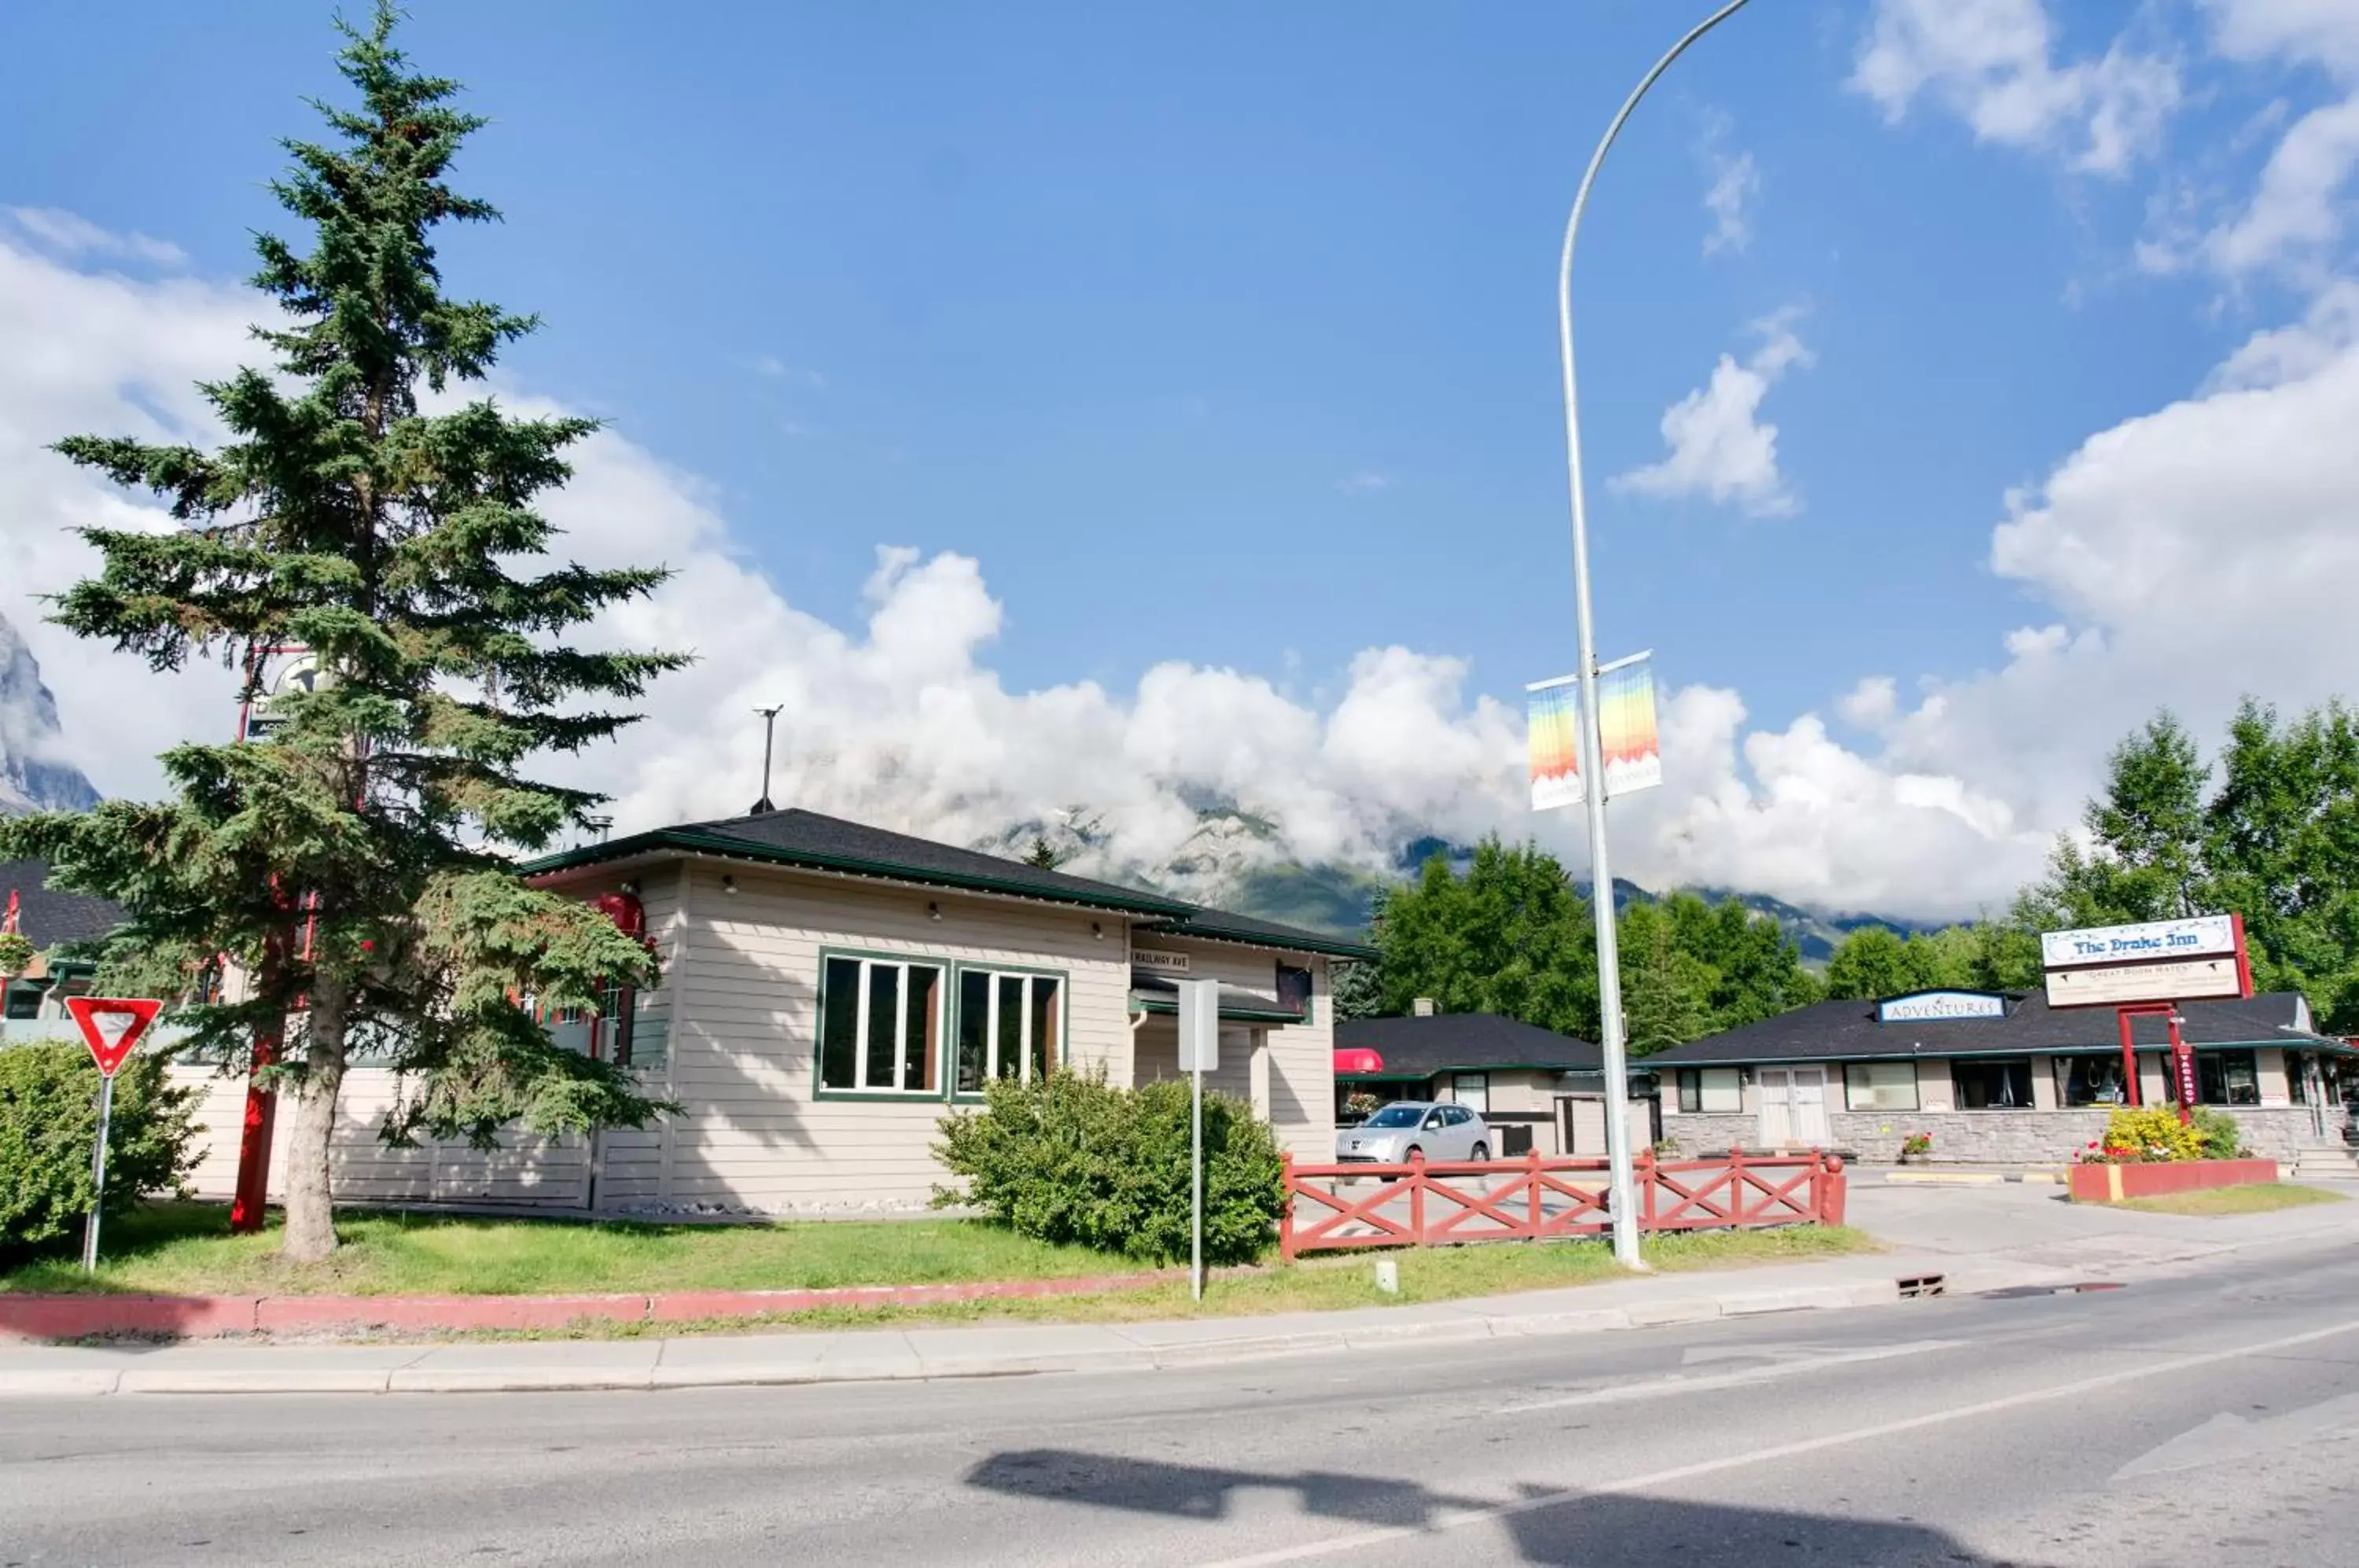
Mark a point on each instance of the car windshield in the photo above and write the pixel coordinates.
(1395, 1116)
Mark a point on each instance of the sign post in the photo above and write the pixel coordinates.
(110, 1026)
(1199, 1052)
(2149, 968)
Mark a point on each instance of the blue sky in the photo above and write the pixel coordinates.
(1224, 333)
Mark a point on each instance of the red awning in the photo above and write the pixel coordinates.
(1357, 1063)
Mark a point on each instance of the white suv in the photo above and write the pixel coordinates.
(1407, 1129)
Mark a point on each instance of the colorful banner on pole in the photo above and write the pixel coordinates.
(1632, 745)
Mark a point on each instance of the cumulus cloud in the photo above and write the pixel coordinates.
(2186, 556)
(1719, 446)
(1992, 63)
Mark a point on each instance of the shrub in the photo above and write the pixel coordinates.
(2222, 1139)
(1915, 1145)
(2153, 1133)
(1074, 1159)
(48, 1118)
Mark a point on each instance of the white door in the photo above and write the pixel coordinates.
(1794, 1107)
(1776, 1107)
(1809, 1114)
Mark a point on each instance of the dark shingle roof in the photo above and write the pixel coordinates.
(1225, 927)
(1418, 1048)
(48, 917)
(818, 842)
(1847, 1031)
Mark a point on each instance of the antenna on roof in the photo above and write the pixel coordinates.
(770, 727)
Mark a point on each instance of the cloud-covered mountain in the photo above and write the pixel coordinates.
(33, 778)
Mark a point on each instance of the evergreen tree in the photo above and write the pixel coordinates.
(1666, 989)
(352, 867)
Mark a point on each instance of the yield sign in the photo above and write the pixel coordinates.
(111, 1025)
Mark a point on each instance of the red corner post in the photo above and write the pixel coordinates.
(2129, 1057)
(253, 1191)
(1286, 1205)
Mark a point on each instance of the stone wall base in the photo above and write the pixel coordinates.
(1986, 1137)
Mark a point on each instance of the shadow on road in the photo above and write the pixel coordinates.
(1569, 1529)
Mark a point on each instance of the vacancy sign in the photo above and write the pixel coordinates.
(111, 1026)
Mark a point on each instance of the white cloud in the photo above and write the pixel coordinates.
(1735, 182)
(1366, 482)
(1720, 447)
(1992, 63)
(70, 234)
(1871, 704)
(2184, 557)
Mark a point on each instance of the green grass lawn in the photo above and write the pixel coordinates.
(186, 1249)
(1318, 1284)
(2249, 1198)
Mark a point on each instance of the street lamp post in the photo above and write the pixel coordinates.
(1592, 746)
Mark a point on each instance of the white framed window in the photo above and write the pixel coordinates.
(880, 1025)
(1471, 1090)
(1880, 1085)
(1710, 1089)
(1011, 1024)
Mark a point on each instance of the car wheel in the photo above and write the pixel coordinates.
(1414, 1154)
(1481, 1152)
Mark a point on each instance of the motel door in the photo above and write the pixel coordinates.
(1794, 1107)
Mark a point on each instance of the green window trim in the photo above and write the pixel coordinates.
(864, 1048)
(993, 1033)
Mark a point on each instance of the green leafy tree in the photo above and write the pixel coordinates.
(2282, 849)
(352, 868)
(1875, 960)
(1510, 936)
(2147, 832)
(1757, 969)
(1357, 989)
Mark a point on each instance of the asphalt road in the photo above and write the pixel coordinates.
(2207, 1418)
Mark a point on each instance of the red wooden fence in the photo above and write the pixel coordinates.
(1536, 1199)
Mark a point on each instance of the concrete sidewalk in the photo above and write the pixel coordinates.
(708, 1360)
(1974, 1239)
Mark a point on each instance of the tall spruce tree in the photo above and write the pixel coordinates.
(352, 869)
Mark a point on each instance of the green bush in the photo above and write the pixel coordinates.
(2222, 1139)
(1073, 1160)
(48, 1118)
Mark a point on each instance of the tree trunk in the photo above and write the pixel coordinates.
(310, 1209)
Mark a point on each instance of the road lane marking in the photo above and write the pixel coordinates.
(2146, 1371)
(1660, 1388)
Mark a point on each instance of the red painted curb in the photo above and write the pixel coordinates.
(206, 1317)
(162, 1317)
(686, 1305)
(314, 1314)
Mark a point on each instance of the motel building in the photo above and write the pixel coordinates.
(2000, 1077)
(829, 993)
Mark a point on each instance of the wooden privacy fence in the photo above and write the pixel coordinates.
(1442, 1204)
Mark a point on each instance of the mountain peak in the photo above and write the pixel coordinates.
(34, 775)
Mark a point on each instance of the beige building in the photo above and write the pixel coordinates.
(1539, 1091)
(830, 992)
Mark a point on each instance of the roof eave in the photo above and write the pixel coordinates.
(728, 846)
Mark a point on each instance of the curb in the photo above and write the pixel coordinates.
(92, 1316)
(897, 1358)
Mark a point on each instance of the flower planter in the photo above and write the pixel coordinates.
(2112, 1183)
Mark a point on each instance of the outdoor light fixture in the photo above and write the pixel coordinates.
(631, 884)
(1097, 930)
(729, 884)
(933, 912)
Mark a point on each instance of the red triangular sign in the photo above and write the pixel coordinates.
(111, 1025)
